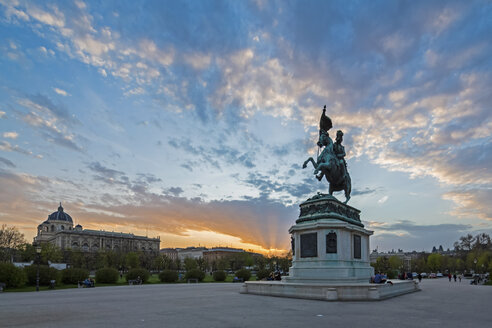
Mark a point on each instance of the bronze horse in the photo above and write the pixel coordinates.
(329, 166)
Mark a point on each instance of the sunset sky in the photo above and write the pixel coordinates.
(190, 120)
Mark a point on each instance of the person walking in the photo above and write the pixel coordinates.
(454, 277)
(459, 277)
(420, 277)
(449, 277)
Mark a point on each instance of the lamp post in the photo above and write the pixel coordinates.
(475, 262)
(38, 259)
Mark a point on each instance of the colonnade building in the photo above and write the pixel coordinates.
(58, 229)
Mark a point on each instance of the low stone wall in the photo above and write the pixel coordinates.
(331, 292)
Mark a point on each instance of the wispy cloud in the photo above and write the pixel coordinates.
(61, 92)
(7, 162)
(10, 135)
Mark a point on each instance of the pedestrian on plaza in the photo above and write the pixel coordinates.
(454, 276)
(459, 277)
(420, 277)
(449, 276)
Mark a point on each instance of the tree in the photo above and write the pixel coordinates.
(132, 260)
(434, 262)
(460, 265)
(260, 262)
(10, 239)
(26, 253)
(396, 263)
(483, 262)
(190, 264)
(465, 243)
(50, 252)
(202, 263)
(177, 264)
(482, 242)
(159, 263)
(168, 262)
(419, 265)
(382, 264)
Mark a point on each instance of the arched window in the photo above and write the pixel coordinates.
(52, 228)
(85, 247)
(63, 227)
(75, 244)
(95, 247)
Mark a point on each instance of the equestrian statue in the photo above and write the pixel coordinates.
(331, 162)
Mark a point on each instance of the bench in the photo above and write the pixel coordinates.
(135, 282)
(2, 286)
(191, 280)
(236, 279)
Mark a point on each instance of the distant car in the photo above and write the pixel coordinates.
(439, 275)
(424, 275)
(415, 274)
(432, 275)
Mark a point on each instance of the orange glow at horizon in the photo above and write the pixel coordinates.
(195, 238)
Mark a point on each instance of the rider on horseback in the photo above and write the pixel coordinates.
(331, 162)
(339, 151)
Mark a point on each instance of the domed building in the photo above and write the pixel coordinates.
(58, 229)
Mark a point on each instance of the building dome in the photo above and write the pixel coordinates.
(60, 215)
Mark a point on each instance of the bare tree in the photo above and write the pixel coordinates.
(10, 240)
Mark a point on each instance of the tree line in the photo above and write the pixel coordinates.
(471, 254)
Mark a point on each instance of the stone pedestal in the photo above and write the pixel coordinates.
(330, 244)
(330, 258)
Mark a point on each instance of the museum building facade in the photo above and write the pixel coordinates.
(58, 229)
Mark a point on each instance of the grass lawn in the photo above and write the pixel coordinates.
(153, 279)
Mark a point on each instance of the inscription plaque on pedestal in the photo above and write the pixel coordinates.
(357, 246)
(331, 243)
(309, 245)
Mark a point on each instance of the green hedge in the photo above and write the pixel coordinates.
(74, 275)
(262, 274)
(244, 274)
(168, 276)
(195, 274)
(133, 274)
(45, 275)
(219, 276)
(12, 276)
(107, 276)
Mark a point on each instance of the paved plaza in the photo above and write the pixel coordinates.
(439, 304)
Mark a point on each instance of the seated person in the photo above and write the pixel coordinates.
(87, 282)
(378, 278)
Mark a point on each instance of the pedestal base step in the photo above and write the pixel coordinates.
(330, 292)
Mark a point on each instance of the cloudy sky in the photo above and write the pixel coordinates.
(191, 119)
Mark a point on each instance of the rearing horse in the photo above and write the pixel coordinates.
(329, 165)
